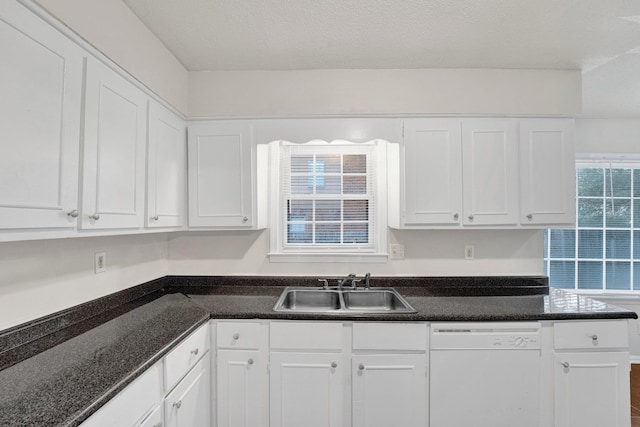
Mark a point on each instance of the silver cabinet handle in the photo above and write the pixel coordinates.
(155, 218)
(594, 337)
(158, 424)
(361, 367)
(73, 213)
(455, 217)
(236, 336)
(245, 219)
(250, 361)
(177, 404)
(194, 352)
(95, 216)
(566, 365)
(470, 218)
(334, 365)
(529, 217)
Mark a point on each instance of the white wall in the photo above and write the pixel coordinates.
(112, 28)
(41, 277)
(353, 92)
(427, 253)
(608, 136)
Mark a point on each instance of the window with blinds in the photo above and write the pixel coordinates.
(603, 251)
(328, 197)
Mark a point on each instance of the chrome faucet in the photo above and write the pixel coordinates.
(351, 277)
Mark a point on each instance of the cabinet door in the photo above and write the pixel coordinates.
(306, 389)
(220, 176)
(189, 404)
(389, 390)
(166, 168)
(41, 87)
(243, 389)
(592, 389)
(490, 179)
(114, 150)
(154, 419)
(547, 172)
(432, 176)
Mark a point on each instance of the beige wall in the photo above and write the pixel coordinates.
(427, 253)
(353, 92)
(113, 29)
(41, 277)
(620, 136)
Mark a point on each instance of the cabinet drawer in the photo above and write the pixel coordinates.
(589, 335)
(390, 336)
(306, 335)
(185, 355)
(130, 406)
(239, 335)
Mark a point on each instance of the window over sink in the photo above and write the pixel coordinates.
(330, 203)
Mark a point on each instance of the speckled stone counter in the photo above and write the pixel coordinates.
(557, 305)
(60, 369)
(68, 382)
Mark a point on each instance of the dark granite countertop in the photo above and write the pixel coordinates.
(60, 369)
(65, 384)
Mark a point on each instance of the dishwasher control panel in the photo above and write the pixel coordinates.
(485, 336)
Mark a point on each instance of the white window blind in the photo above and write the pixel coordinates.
(603, 251)
(328, 197)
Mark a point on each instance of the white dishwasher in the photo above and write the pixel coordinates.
(485, 374)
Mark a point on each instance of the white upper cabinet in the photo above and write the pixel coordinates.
(41, 87)
(547, 171)
(221, 175)
(432, 172)
(166, 168)
(490, 177)
(115, 122)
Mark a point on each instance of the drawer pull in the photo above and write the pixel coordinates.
(157, 425)
(455, 217)
(177, 404)
(594, 337)
(236, 336)
(470, 218)
(194, 352)
(334, 365)
(361, 367)
(566, 365)
(73, 213)
(250, 361)
(95, 216)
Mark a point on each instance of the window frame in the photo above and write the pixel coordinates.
(602, 162)
(375, 251)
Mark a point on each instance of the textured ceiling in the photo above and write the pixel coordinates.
(591, 35)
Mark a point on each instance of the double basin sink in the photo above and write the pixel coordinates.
(342, 301)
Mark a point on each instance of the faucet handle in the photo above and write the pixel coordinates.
(325, 283)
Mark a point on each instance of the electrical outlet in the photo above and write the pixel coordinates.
(469, 252)
(396, 251)
(100, 262)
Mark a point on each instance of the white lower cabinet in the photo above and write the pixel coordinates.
(189, 402)
(306, 389)
(591, 374)
(154, 419)
(388, 390)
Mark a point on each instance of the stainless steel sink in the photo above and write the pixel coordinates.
(376, 301)
(339, 301)
(301, 299)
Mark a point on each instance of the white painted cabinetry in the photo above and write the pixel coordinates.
(41, 87)
(190, 401)
(389, 375)
(591, 374)
(489, 172)
(547, 172)
(242, 374)
(166, 168)
(306, 384)
(221, 175)
(432, 172)
(115, 129)
(490, 178)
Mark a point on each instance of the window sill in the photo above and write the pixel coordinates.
(329, 257)
(610, 297)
